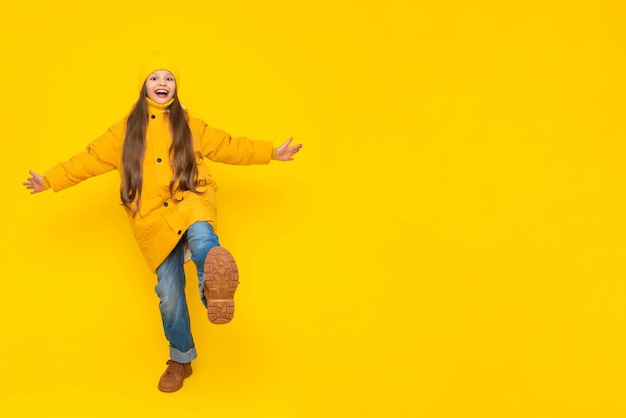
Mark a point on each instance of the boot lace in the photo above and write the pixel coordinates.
(173, 368)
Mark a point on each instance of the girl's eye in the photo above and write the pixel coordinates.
(170, 79)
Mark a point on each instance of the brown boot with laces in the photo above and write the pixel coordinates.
(172, 379)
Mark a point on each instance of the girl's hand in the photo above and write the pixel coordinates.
(286, 152)
(35, 182)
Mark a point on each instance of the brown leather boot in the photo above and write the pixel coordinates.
(221, 278)
(172, 379)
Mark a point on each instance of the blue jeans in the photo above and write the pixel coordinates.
(200, 238)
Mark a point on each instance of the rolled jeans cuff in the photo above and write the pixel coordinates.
(180, 357)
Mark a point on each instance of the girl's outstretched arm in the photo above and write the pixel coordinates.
(286, 152)
(35, 183)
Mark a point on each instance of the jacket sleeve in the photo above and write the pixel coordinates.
(101, 156)
(218, 146)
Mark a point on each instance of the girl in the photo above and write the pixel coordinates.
(169, 196)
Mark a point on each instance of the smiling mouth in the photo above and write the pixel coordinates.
(161, 93)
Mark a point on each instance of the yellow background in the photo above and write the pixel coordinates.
(449, 243)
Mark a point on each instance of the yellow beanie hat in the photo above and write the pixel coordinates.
(154, 62)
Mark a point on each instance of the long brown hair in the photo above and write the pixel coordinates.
(182, 157)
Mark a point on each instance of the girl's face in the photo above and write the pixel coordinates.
(161, 86)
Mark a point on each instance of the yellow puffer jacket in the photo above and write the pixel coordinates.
(162, 220)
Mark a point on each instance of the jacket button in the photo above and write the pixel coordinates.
(152, 116)
(165, 204)
(180, 232)
(158, 160)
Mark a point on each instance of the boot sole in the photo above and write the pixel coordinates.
(221, 278)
